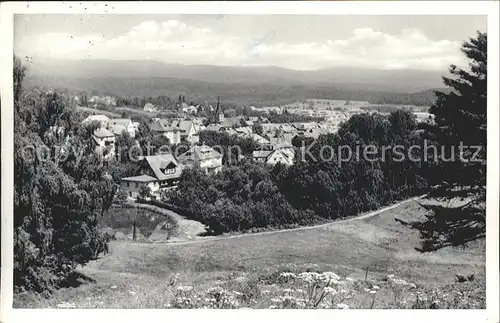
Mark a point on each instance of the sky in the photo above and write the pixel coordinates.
(290, 41)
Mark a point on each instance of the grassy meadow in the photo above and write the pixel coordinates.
(364, 263)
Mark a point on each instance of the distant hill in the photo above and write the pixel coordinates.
(240, 85)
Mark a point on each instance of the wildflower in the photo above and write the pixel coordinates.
(240, 279)
(412, 285)
(343, 306)
(132, 292)
(367, 290)
(328, 275)
(349, 279)
(113, 287)
(373, 291)
(375, 287)
(330, 290)
(273, 307)
(66, 305)
(215, 290)
(398, 281)
(265, 292)
(184, 288)
(390, 276)
(288, 275)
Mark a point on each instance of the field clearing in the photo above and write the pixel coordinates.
(136, 275)
(97, 111)
(131, 112)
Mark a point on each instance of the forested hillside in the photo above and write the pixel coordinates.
(238, 94)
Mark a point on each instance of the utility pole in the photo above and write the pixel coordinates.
(133, 230)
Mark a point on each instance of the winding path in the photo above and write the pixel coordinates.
(237, 236)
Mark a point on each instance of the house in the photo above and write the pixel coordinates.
(258, 139)
(214, 127)
(424, 117)
(102, 119)
(177, 130)
(117, 126)
(105, 142)
(158, 172)
(204, 157)
(283, 155)
(149, 107)
(189, 130)
(232, 122)
(163, 127)
(136, 126)
(244, 130)
(190, 109)
(94, 100)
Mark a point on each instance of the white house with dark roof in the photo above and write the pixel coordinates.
(117, 126)
(158, 172)
(204, 157)
(149, 107)
(105, 142)
(177, 130)
(279, 155)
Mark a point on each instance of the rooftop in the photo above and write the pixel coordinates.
(140, 178)
(103, 133)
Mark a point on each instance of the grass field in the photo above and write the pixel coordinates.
(140, 275)
(98, 111)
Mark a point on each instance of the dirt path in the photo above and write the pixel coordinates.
(187, 223)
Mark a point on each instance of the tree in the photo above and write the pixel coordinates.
(460, 118)
(257, 128)
(145, 192)
(57, 205)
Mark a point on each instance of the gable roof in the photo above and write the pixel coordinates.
(149, 106)
(201, 153)
(164, 125)
(231, 122)
(261, 153)
(103, 133)
(213, 127)
(159, 162)
(118, 129)
(120, 122)
(182, 125)
(258, 139)
(140, 178)
(98, 117)
(245, 130)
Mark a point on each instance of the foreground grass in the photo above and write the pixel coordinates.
(247, 271)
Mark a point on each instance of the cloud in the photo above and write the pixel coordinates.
(177, 42)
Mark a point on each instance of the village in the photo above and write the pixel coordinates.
(161, 171)
(190, 161)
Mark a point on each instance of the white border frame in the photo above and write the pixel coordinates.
(489, 8)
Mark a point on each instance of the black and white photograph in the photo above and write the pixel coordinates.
(250, 161)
